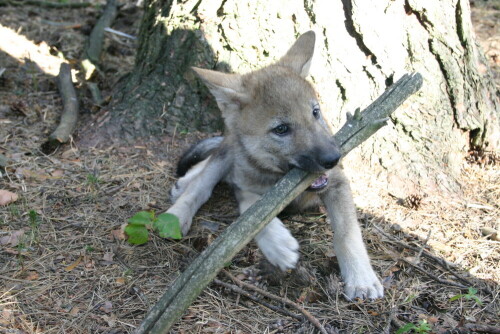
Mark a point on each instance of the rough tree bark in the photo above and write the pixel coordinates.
(362, 46)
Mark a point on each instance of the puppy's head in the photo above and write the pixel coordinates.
(274, 113)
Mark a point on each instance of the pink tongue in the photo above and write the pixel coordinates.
(320, 182)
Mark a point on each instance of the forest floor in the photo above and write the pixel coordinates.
(65, 266)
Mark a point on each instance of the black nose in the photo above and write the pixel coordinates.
(330, 160)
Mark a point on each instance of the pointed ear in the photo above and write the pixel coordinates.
(299, 57)
(226, 88)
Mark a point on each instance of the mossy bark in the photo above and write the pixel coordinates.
(362, 47)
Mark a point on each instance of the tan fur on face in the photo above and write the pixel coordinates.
(277, 95)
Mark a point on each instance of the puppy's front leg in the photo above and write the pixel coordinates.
(195, 188)
(275, 241)
(359, 277)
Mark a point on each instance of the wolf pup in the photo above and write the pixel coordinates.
(273, 123)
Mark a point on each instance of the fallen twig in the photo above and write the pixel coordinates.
(285, 301)
(239, 290)
(93, 48)
(95, 93)
(69, 115)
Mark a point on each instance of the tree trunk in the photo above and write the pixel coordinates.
(362, 47)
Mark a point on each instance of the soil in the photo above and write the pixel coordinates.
(65, 266)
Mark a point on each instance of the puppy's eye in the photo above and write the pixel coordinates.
(281, 129)
(316, 112)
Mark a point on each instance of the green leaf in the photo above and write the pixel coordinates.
(141, 218)
(137, 234)
(423, 327)
(472, 291)
(168, 226)
(406, 328)
(477, 300)
(456, 297)
(33, 217)
(471, 294)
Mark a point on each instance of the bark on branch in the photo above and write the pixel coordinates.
(203, 270)
(69, 115)
(93, 49)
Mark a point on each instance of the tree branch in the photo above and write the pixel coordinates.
(92, 52)
(204, 268)
(69, 116)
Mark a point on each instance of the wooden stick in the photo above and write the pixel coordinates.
(205, 267)
(93, 48)
(69, 115)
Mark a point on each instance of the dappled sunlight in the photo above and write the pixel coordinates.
(21, 48)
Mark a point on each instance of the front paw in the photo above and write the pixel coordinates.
(365, 285)
(282, 252)
(185, 220)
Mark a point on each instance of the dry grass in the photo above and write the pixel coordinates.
(71, 271)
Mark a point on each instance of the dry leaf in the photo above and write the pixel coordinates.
(108, 258)
(111, 320)
(241, 276)
(107, 307)
(74, 311)
(162, 164)
(32, 276)
(6, 316)
(7, 197)
(120, 280)
(13, 239)
(119, 234)
(432, 319)
(57, 173)
(71, 153)
(74, 264)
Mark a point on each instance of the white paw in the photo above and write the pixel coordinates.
(364, 285)
(184, 220)
(281, 250)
